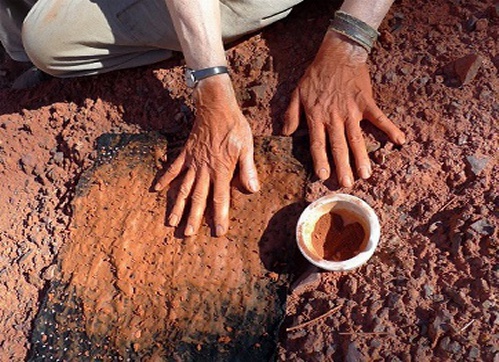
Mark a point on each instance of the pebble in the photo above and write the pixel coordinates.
(444, 344)
(28, 163)
(428, 290)
(483, 227)
(466, 68)
(350, 287)
(353, 353)
(58, 158)
(457, 297)
(477, 164)
(481, 24)
(474, 353)
(471, 23)
(49, 273)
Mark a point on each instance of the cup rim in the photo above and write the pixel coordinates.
(321, 207)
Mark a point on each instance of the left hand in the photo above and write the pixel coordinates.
(336, 94)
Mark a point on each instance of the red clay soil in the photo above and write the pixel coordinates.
(430, 290)
(333, 240)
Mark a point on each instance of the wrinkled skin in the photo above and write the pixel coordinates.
(335, 94)
(220, 140)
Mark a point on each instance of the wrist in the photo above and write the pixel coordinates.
(354, 51)
(214, 89)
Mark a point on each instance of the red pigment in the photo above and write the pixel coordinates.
(335, 241)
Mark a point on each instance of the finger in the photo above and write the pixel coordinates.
(221, 201)
(247, 170)
(358, 147)
(292, 116)
(378, 118)
(183, 193)
(198, 202)
(173, 171)
(339, 148)
(318, 148)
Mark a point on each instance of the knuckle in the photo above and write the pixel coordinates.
(338, 148)
(184, 191)
(317, 145)
(382, 119)
(355, 138)
(197, 197)
(219, 200)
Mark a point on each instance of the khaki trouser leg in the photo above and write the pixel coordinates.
(83, 37)
(12, 14)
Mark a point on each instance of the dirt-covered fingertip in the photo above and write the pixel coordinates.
(323, 173)
(158, 187)
(399, 138)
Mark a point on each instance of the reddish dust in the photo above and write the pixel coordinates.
(335, 241)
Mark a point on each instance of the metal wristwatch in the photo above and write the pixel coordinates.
(192, 77)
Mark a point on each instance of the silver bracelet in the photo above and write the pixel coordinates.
(354, 29)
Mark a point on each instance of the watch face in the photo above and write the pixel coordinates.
(190, 80)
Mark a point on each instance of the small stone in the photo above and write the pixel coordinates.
(58, 158)
(258, 91)
(456, 242)
(353, 353)
(457, 297)
(494, 9)
(454, 347)
(49, 272)
(471, 23)
(481, 24)
(428, 290)
(445, 344)
(474, 353)
(467, 67)
(350, 287)
(28, 163)
(433, 227)
(477, 164)
(462, 140)
(483, 227)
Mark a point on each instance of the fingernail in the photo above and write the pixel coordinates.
(346, 181)
(158, 187)
(173, 220)
(189, 230)
(219, 230)
(364, 171)
(400, 139)
(253, 185)
(323, 174)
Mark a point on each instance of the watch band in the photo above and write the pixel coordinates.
(192, 77)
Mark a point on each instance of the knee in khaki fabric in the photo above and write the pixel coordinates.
(241, 17)
(83, 37)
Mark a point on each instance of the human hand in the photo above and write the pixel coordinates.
(220, 139)
(336, 94)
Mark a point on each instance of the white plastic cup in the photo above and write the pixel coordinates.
(351, 209)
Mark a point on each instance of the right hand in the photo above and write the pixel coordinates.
(220, 140)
